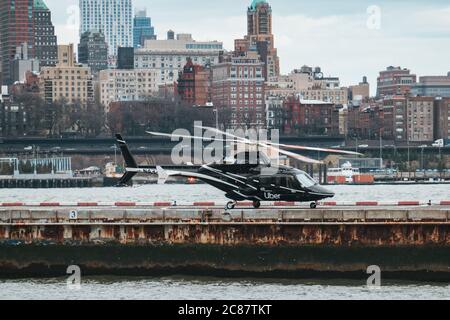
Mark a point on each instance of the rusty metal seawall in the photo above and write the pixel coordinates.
(405, 242)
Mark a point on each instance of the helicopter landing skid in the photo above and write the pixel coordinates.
(230, 205)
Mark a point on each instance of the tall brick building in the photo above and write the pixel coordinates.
(420, 119)
(260, 38)
(194, 84)
(395, 118)
(16, 28)
(238, 84)
(26, 22)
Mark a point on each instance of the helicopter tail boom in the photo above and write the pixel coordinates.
(129, 161)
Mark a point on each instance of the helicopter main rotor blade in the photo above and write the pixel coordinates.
(232, 139)
(169, 135)
(212, 139)
(295, 156)
(227, 134)
(241, 140)
(289, 146)
(286, 146)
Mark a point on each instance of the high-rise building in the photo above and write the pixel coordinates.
(170, 56)
(45, 41)
(16, 28)
(194, 84)
(260, 37)
(238, 85)
(259, 18)
(66, 81)
(395, 81)
(114, 18)
(93, 51)
(142, 29)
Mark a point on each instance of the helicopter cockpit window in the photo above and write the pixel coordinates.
(285, 181)
(277, 181)
(306, 180)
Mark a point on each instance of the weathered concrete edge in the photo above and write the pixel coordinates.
(51, 215)
(426, 263)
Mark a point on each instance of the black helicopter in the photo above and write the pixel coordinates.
(241, 177)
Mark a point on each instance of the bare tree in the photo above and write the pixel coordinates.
(134, 118)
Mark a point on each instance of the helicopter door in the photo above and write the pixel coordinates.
(271, 187)
(268, 183)
(286, 184)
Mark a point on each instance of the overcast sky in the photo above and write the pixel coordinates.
(349, 38)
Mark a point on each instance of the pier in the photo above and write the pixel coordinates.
(46, 182)
(54, 172)
(409, 240)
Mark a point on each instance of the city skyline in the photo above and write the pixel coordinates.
(333, 36)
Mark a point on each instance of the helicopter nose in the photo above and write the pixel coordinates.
(321, 191)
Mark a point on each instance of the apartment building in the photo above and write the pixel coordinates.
(171, 55)
(238, 84)
(420, 119)
(66, 81)
(117, 85)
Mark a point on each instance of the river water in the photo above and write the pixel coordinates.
(179, 288)
(202, 192)
(176, 288)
